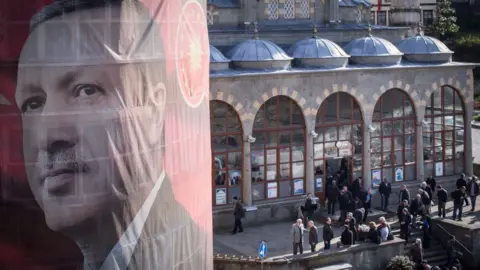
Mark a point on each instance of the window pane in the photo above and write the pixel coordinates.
(298, 153)
(297, 116)
(438, 139)
(331, 150)
(449, 137)
(408, 108)
(284, 154)
(284, 137)
(459, 149)
(235, 160)
(376, 145)
(357, 162)
(331, 134)
(449, 169)
(234, 124)
(427, 139)
(448, 152)
(234, 177)
(409, 173)
(318, 150)
(217, 145)
(409, 126)
(272, 138)
(409, 156)
(318, 164)
(410, 141)
(398, 142)
(271, 113)
(285, 188)
(377, 114)
(437, 102)
(438, 124)
(259, 140)
(398, 157)
(387, 128)
(232, 192)
(234, 142)
(459, 165)
(376, 160)
(285, 171)
(388, 174)
(258, 192)
(428, 169)
(398, 127)
(271, 172)
(345, 132)
(458, 103)
(357, 115)
(387, 159)
(284, 111)
(330, 105)
(298, 137)
(345, 107)
(438, 153)
(298, 170)
(427, 127)
(220, 178)
(387, 144)
(258, 173)
(271, 156)
(319, 138)
(427, 154)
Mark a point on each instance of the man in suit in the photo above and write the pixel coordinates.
(327, 233)
(472, 191)
(442, 197)
(332, 195)
(312, 235)
(93, 111)
(385, 189)
(297, 236)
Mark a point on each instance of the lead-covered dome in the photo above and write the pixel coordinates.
(217, 60)
(422, 48)
(372, 50)
(318, 52)
(259, 54)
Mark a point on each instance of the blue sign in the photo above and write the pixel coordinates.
(262, 251)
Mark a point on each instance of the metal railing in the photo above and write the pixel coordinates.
(465, 249)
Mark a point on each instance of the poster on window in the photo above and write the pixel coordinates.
(439, 169)
(221, 196)
(376, 177)
(298, 187)
(318, 183)
(272, 190)
(399, 174)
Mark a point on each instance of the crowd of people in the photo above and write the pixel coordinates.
(355, 204)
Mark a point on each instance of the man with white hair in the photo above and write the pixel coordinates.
(297, 236)
(93, 112)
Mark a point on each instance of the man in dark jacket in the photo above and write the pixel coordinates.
(327, 233)
(404, 194)
(309, 207)
(416, 207)
(426, 201)
(385, 189)
(458, 197)
(358, 215)
(401, 206)
(312, 235)
(332, 196)
(462, 182)
(405, 221)
(238, 213)
(352, 224)
(367, 202)
(442, 197)
(428, 189)
(472, 191)
(345, 201)
(432, 183)
(347, 237)
(355, 188)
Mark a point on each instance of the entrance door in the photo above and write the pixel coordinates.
(332, 167)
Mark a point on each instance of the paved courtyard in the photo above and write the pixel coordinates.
(277, 235)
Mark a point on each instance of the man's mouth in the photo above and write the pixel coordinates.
(60, 181)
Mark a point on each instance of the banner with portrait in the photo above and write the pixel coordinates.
(105, 159)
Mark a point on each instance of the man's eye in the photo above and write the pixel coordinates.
(32, 104)
(87, 90)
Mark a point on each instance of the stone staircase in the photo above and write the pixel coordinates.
(436, 255)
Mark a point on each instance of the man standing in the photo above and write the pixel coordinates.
(401, 206)
(367, 202)
(385, 189)
(462, 182)
(238, 213)
(352, 223)
(312, 235)
(310, 207)
(345, 201)
(458, 197)
(297, 236)
(416, 207)
(355, 188)
(426, 201)
(432, 183)
(405, 221)
(427, 189)
(442, 197)
(332, 196)
(327, 233)
(404, 194)
(472, 191)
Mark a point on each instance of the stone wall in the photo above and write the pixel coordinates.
(362, 257)
(467, 235)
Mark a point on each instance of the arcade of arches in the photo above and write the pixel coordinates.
(279, 157)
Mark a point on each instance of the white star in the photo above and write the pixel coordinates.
(195, 54)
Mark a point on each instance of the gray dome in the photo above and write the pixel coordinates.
(421, 48)
(259, 54)
(217, 60)
(318, 52)
(373, 51)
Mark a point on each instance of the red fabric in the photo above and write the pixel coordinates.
(379, 5)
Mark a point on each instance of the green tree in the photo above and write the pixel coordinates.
(445, 25)
(400, 263)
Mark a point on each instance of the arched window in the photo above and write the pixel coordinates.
(444, 133)
(227, 151)
(393, 139)
(338, 147)
(278, 154)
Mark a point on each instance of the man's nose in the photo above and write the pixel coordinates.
(57, 134)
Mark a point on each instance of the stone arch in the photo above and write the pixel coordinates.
(358, 97)
(461, 93)
(234, 109)
(229, 99)
(412, 94)
(284, 91)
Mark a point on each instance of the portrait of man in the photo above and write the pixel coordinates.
(92, 91)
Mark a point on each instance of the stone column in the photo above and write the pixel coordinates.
(468, 166)
(367, 174)
(419, 153)
(310, 179)
(247, 174)
(319, 13)
(333, 6)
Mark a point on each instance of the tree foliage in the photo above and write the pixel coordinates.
(445, 24)
(400, 263)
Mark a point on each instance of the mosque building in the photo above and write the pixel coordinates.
(303, 89)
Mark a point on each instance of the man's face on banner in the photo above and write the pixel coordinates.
(71, 120)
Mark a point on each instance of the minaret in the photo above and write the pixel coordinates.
(405, 13)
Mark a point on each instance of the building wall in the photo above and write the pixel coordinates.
(247, 93)
(425, 5)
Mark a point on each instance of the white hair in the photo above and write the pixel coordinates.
(418, 241)
(382, 220)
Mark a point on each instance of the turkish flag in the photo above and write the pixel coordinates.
(379, 5)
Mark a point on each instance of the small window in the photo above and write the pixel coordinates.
(372, 17)
(272, 10)
(382, 18)
(289, 9)
(427, 17)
